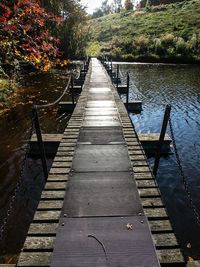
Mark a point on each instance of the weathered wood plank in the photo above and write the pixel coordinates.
(53, 194)
(34, 259)
(137, 157)
(48, 138)
(59, 170)
(141, 169)
(152, 137)
(65, 153)
(39, 243)
(55, 185)
(43, 229)
(149, 192)
(46, 216)
(153, 213)
(63, 159)
(152, 202)
(146, 183)
(58, 177)
(165, 240)
(139, 163)
(50, 205)
(160, 226)
(143, 175)
(66, 164)
(170, 256)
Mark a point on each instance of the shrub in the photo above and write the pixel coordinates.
(181, 45)
(142, 43)
(167, 39)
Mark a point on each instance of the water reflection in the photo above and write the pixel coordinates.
(178, 85)
(15, 126)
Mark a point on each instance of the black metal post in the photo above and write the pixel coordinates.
(161, 139)
(40, 141)
(72, 90)
(111, 66)
(127, 92)
(117, 75)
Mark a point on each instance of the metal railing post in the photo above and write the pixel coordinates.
(72, 90)
(117, 75)
(161, 139)
(111, 66)
(127, 93)
(40, 141)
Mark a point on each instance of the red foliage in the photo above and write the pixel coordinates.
(25, 30)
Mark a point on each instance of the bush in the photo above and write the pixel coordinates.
(142, 43)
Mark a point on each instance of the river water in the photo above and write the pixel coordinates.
(178, 85)
(15, 130)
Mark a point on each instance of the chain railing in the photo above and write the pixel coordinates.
(184, 177)
(18, 186)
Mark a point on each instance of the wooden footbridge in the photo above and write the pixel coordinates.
(101, 205)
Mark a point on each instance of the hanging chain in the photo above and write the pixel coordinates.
(185, 182)
(3, 227)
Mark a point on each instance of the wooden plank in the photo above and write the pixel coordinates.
(152, 202)
(152, 137)
(50, 205)
(48, 138)
(143, 175)
(146, 183)
(141, 169)
(140, 163)
(58, 177)
(165, 240)
(137, 157)
(59, 170)
(55, 185)
(54, 194)
(34, 259)
(43, 229)
(69, 152)
(170, 256)
(155, 213)
(66, 164)
(39, 243)
(46, 216)
(160, 226)
(149, 192)
(63, 159)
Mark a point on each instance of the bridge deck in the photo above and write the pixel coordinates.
(101, 205)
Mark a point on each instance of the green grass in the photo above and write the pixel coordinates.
(141, 35)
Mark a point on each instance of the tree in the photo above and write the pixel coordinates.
(117, 5)
(25, 33)
(128, 5)
(103, 10)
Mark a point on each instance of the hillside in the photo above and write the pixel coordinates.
(166, 33)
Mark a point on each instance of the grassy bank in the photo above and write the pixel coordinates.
(166, 33)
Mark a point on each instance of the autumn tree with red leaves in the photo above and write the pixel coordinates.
(26, 33)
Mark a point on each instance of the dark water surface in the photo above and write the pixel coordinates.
(15, 130)
(178, 85)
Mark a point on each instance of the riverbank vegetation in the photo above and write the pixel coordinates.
(37, 35)
(161, 33)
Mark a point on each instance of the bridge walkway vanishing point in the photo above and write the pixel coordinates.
(101, 205)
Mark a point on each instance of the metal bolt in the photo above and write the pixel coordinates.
(63, 224)
(65, 215)
(142, 221)
(140, 214)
